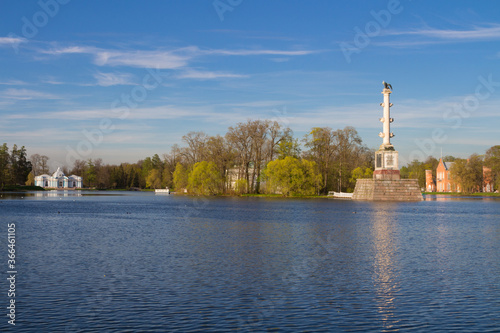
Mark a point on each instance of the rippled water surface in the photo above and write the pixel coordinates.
(138, 262)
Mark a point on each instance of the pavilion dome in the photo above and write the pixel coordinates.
(58, 173)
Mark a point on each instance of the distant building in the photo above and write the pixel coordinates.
(235, 174)
(58, 180)
(444, 182)
(487, 180)
(430, 185)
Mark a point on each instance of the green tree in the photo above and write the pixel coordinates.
(134, 178)
(492, 160)
(4, 165)
(312, 178)
(241, 186)
(146, 167)
(167, 177)
(20, 167)
(118, 177)
(153, 180)
(468, 174)
(90, 174)
(288, 146)
(180, 177)
(31, 179)
(156, 162)
(368, 173)
(321, 142)
(291, 176)
(360, 173)
(415, 170)
(205, 179)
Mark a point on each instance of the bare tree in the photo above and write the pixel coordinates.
(239, 138)
(322, 144)
(217, 150)
(196, 144)
(79, 168)
(44, 167)
(35, 164)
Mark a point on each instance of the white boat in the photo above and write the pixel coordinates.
(340, 194)
(162, 191)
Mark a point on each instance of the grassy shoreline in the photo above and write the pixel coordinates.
(459, 194)
(17, 188)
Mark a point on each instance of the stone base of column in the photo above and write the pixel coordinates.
(386, 174)
(387, 190)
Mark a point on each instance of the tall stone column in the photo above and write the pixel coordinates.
(387, 184)
(386, 120)
(386, 157)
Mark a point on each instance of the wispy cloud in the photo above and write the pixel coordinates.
(141, 59)
(243, 52)
(10, 41)
(113, 79)
(280, 59)
(165, 59)
(477, 33)
(207, 75)
(159, 112)
(25, 94)
(430, 36)
(13, 83)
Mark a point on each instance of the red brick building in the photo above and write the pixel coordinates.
(487, 180)
(444, 182)
(430, 185)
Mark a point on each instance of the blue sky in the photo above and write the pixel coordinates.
(123, 80)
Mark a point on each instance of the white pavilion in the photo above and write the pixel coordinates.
(58, 180)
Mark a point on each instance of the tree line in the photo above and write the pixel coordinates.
(256, 156)
(14, 166)
(237, 162)
(465, 172)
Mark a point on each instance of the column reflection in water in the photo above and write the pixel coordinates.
(385, 272)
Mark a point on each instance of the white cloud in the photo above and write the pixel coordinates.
(71, 50)
(13, 83)
(11, 41)
(260, 52)
(25, 94)
(206, 75)
(476, 33)
(159, 112)
(140, 59)
(164, 59)
(113, 79)
(438, 36)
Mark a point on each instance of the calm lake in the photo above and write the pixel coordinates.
(140, 262)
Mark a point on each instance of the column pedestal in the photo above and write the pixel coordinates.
(386, 164)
